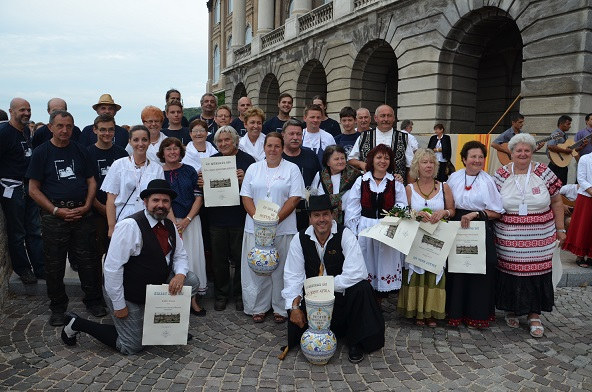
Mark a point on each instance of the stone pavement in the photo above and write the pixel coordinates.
(230, 352)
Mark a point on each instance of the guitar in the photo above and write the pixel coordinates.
(561, 159)
(505, 158)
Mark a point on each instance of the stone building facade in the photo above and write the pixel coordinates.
(459, 62)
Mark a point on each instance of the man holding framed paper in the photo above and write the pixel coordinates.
(145, 249)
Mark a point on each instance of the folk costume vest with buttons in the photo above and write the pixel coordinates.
(333, 258)
(373, 203)
(398, 145)
(150, 266)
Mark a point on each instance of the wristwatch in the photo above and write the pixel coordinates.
(295, 307)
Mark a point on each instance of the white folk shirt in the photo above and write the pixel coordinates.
(385, 138)
(354, 267)
(125, 242)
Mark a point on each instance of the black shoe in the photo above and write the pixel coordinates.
(238, 305)
(201, 313)
(57, 318)
(189, 337)
(70, 341)
(28, 277)
(356, 354)
(220, 304)
(97, 310)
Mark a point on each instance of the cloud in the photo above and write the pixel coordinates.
(78, 50)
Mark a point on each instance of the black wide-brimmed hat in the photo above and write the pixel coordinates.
(158, 186)
(319, 203)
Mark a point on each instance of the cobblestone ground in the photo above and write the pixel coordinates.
(229, 352)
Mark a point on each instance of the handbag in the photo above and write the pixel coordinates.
(450, 168)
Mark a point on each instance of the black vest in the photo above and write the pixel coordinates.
(150, 266)
(333, 258)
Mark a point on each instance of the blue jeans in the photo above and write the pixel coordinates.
(78, 238)
(23, 225)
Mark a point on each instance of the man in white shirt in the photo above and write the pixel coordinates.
(313, 136)
(407, 127)
(326, 248)
(384, 133)
(139, 254)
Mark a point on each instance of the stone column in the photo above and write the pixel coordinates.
(265, 17)
(342, 8)
(239, 24)
(301, 7)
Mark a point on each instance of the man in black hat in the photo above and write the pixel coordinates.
(145, 249)
(326, 248)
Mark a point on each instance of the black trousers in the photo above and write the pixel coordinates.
(356, 317)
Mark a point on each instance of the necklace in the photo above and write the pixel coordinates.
(270, 181)
(426, 197)
(378, 179)
(469, 187)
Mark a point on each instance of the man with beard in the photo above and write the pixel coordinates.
(145, 249)
(22, 214)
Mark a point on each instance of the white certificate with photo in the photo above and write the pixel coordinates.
(166, 317)
(220, 181)
(398, 237)
(430, 250)
(467, 255)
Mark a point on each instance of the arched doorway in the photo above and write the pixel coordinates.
(268, 95)
(239, 92)
(482, 63)
(312, 81)
(375, 76)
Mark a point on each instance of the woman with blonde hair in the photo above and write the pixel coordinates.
(423, 294)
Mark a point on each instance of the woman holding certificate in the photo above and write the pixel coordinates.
(526, 235)
(372, 193)
(278, 181)
(423, 295)
(129, 176)
(183, 180)
(470, 298)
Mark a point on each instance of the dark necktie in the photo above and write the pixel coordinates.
(163, 237)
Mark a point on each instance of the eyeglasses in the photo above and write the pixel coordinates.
(198, 130)
(152, 122)
(107, 130)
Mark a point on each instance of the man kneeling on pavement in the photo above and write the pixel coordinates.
(326, 248)
(145, 249)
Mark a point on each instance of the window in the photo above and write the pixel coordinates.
(290, 8)
(248, 34)
(216, 64)
(229, 7)
(217, 12)
(229, 44)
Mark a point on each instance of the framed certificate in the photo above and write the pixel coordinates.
(166, 317)
(220, 181)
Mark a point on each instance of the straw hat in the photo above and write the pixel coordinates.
(106, 100)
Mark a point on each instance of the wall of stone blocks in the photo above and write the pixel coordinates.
(436, 46)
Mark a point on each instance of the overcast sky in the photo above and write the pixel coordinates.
(78, 50)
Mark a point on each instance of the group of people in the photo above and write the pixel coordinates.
(136, 197)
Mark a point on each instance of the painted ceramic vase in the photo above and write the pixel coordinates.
(318, 343)
(263, 258)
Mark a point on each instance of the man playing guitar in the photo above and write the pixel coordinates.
(556, 145)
